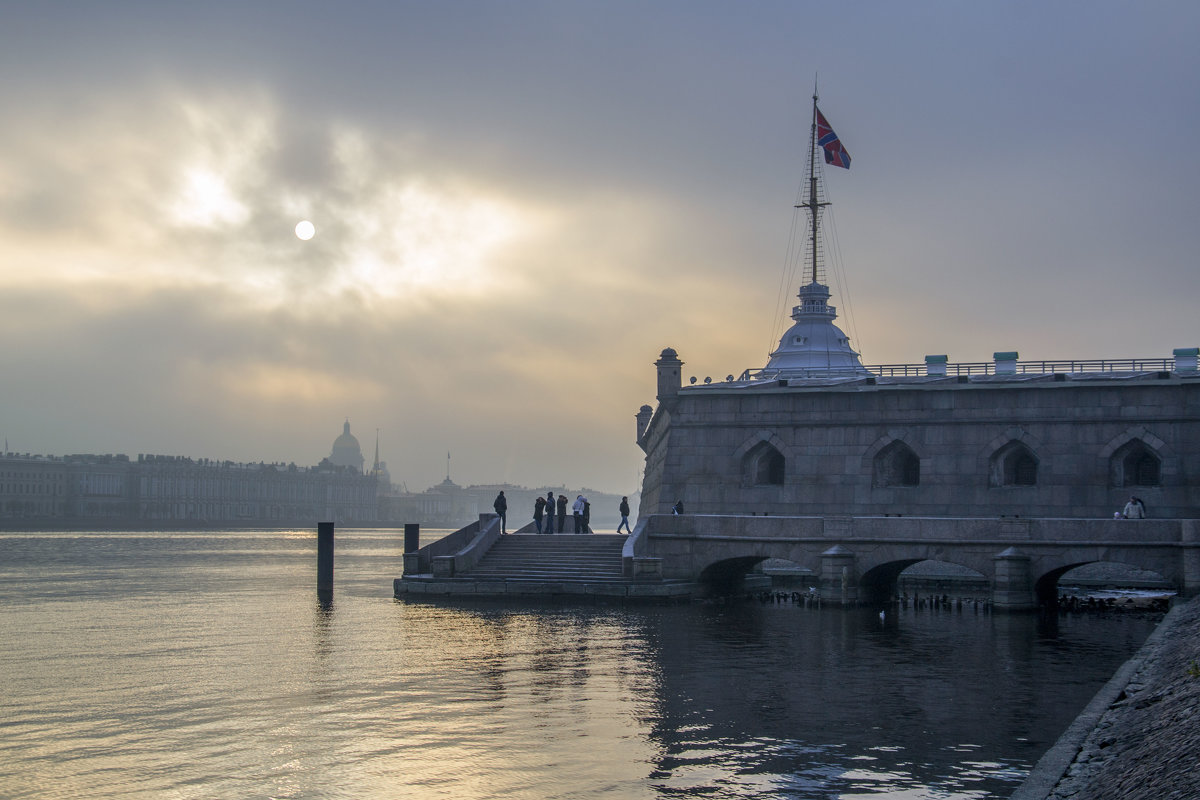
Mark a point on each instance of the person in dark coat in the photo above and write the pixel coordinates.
(624, 509)
(677, 508)
(539, 508)
(550, 512)
(587, 516)
(562, 513)
(501, 506)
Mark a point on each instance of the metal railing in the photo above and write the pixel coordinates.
(1076, 366)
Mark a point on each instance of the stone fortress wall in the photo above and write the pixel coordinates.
(1044, 445)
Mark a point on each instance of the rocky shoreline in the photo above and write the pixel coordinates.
(1139, 738)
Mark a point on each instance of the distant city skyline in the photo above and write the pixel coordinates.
(513, 208)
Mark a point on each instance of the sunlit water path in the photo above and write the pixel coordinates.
(150, 665)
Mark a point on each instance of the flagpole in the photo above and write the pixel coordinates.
(812, 183)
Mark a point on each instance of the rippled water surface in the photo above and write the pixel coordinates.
(200, 666)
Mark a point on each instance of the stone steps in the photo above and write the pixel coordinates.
(587, 558)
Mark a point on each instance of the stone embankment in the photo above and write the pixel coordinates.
(1139, 738)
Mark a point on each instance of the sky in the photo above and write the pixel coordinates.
(517, 205)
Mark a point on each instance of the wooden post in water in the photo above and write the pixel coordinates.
(325, 562)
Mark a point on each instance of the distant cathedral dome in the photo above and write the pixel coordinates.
(346, 452)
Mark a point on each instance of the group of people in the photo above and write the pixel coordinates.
(548, 508)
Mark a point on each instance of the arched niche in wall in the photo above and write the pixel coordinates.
(1014, 464)
(896, 465)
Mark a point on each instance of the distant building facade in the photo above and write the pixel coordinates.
(98, 490)
(108, 491)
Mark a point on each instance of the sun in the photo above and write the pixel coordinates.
(305, 230)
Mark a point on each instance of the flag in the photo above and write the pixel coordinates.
(834, 152)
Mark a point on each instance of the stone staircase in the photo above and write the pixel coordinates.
(584, 558)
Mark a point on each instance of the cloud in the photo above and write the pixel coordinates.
(517, 208)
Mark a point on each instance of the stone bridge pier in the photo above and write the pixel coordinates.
(859, 559)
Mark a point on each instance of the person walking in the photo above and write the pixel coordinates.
(624, 509)
(562, 513)
(577, 511)
(501, 506)
(550, 512)
(539, 508)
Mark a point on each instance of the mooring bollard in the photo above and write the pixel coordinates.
(412, 537)
(325, 562)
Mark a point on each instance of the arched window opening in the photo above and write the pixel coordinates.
(770, 468)
(1014, 465)
(1135, 464)
(1024, 470)
(897, 465)
(764, 466)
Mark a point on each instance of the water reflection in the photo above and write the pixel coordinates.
(202, 666)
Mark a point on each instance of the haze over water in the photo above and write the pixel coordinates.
(148, 665)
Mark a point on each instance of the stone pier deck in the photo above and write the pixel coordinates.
(528, 564)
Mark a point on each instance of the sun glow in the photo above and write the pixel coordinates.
(425, 238)
(206, 200)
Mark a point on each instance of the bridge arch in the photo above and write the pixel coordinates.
(878, 584)
(725, 577)
(1047, 585)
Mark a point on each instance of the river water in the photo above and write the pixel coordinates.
(199, 665)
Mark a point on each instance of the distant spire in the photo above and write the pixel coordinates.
(447, 465)
(375, 468)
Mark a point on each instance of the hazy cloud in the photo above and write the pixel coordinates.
(518, 205)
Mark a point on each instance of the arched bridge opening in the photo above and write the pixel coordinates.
(884, 583)
(1096, 575)
(727, 577)
(878, 584)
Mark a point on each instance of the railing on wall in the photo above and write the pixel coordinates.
(1076, 367)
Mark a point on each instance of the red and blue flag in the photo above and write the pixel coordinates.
(835, 153)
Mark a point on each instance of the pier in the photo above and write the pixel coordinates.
(857, 560)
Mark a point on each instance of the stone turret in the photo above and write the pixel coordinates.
(643, 420)
(669, 375)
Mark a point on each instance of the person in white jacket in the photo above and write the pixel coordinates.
(1135, 509)
(577, 512)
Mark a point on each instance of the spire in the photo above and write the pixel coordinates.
(375, 467)
(813, 346)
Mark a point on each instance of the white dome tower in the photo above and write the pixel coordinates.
(814, 346)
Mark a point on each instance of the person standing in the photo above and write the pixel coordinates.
(549, 512)
(577, 511)
(1134, 509)
(587, 516)
(624, 509)
(562, 513)
(539, 508)
(501, 506)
